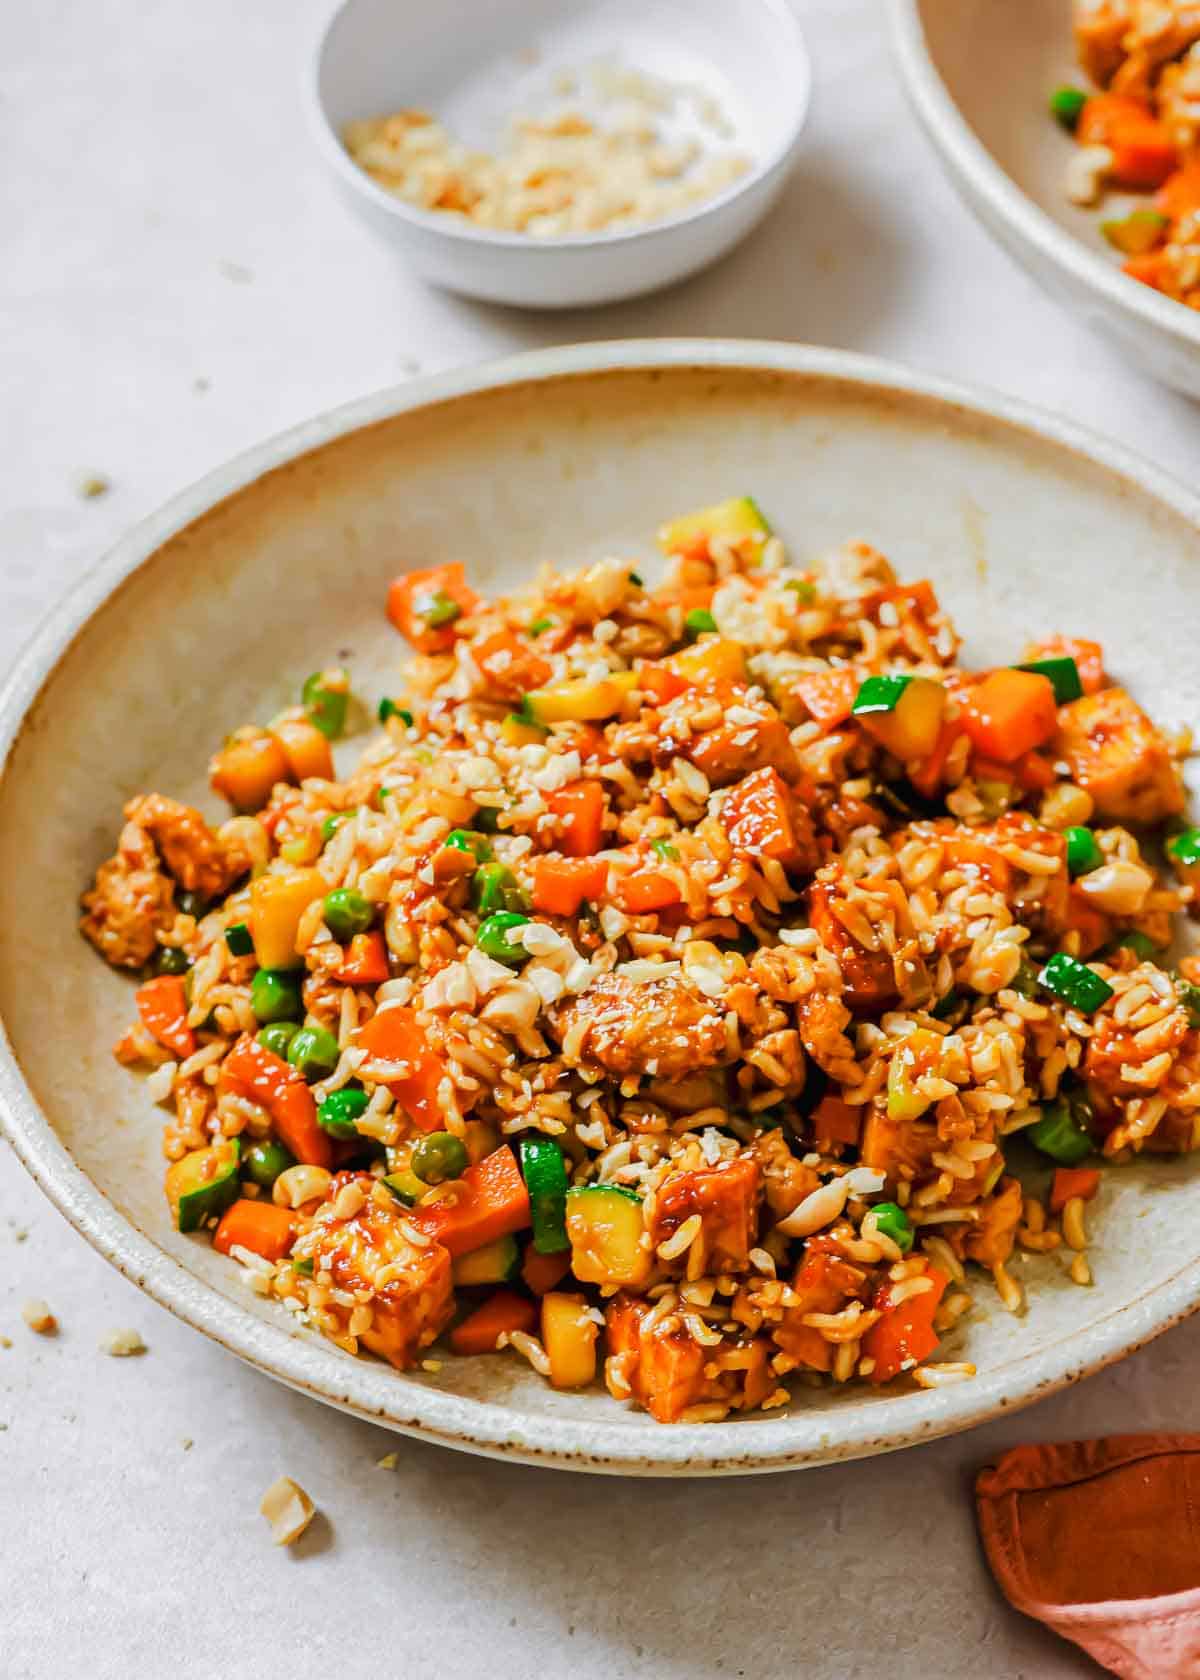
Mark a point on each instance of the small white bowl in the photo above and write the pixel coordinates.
(474, 65)
(979, 75)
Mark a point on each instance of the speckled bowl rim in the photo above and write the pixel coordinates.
(969, 159)
(411, 1404)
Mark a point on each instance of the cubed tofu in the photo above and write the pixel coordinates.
(990, 1240)
(726, 1198)
(408, 1287)
(870, 980)
(666, 1371)
(889, 1145)
(657, 1027)
(1116, 753)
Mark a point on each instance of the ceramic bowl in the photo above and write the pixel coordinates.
(475, 66)
(214, 610)
(979, 76)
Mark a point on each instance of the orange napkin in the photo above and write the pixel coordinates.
(1101, 1541)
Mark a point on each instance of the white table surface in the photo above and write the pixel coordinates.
(177, 282)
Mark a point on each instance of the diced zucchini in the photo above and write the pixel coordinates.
(569, 1338)
(1137, 233)
(405, 1186)
(739, 521)
(545, 1174)
(495, 1263)
(518, 731)
(903, 713)
(1063, 674)
(582, 701)
(203, 1184)
(1075, 983)
(721, 660)
(604, 1225)
(277, 902)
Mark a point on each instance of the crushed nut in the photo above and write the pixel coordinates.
(288, 1509)
(39, 1317)
(122, 1344)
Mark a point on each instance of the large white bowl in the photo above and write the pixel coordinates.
(213, 611)
(979, 74)
(475, 65)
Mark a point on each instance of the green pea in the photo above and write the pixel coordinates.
(325, 696)
(492, 937)
(1065, 105)
(487, 819)
(171, 959)
(331, 825)
(540, 626)
(665, 850)
(275, 994)
(1061, 1133)
(698, 621)
(441, 610)
(462, 840)
(439, 1156)
(278, 1036)
(263, 1163)
(314, 1052)
(190, 903)
(338, 1113)
(495, 887)
(347, 912)
(1185, 847)
(1083, 853)
(891, 1219)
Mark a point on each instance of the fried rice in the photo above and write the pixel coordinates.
(707, 984)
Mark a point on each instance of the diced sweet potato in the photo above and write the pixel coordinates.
(990, 1240)
(1117, 754)
(409, 1288)
(665, 1370)
(660, 1027)
(823, 1283)
(869, 975)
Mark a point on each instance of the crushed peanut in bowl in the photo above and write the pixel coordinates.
(563, 172)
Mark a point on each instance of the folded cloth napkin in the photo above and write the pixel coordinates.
(1101, 1541)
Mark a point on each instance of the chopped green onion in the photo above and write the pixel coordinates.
(494, 887)
(238, 940)
(462, 840)
(1065, 105)
(439, 610)
(325, 696)
(1189, 997)
(1059, 1134)
(1062, 674)
(880, 694)
(698, 621)
(1083, 853)
(1185, 848)
(804, 591)
(665, 850)
(540, 626)
(492, 937)
(1075, 983)
(388, 708)
(380, 794)
(304, 1265)
(892, 1221)
(331, 825)
(1141, 944)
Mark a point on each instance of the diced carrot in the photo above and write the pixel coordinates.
(660, 683)
(365, 961)
(829, 695)
(261, 1227)
(580, 809)
(1103, 113)
(904, 1335)
(697, 597)
(500, 1314)
(511, 666)
(392, 1035)
(1010, 713)
(648, 890)
(248, 767)
(493, 1202)
(1088, 657)
(162, 1005)
(540, 1273)
(1179, 194)
(823, 1282)
(251, 1070)
(305, 748)
(1144, 154)
(560, 885)
(413, 596)
(758, 818)
(1070, 1182)
(1034, 773)
(927, 776)
(1150, 268)
(835, 1121)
